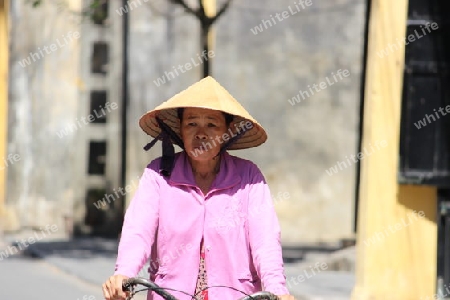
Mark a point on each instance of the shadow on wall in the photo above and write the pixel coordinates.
(102, 218)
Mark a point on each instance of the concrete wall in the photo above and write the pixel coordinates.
(161, 36)
(43, 99)
(263, 71)
(4, 63)
(267, 69)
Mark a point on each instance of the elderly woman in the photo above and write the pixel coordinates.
(203, 217)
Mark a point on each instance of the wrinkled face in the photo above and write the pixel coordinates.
(201, 130)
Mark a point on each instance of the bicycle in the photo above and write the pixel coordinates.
(129, 285)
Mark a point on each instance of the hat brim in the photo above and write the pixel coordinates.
(209, 94)
(253, 136)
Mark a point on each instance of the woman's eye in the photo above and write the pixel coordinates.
(212, 125)
(192, 124)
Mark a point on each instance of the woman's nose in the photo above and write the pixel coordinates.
(201, 135)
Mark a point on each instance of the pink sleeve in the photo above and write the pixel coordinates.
(139, 227)
(264, 236)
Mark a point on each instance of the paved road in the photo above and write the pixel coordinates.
(76, 269)
(30, 279)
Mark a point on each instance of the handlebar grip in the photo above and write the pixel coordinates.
(126, 284)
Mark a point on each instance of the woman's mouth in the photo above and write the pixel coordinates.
(200, 147)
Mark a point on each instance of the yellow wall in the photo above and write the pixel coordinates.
(396, 254)
(3, 97)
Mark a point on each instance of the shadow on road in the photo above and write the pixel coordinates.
(78, 248)
(89, 247)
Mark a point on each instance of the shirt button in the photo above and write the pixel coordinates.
(208, 248)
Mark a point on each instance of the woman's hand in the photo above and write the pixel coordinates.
(112, 288)
(286, 297)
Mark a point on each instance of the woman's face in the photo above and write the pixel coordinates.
(202, 130)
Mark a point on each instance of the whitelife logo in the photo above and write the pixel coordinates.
(355, 158)
(319, 267)
(233, 220)
(9, 161)
(201, 58)
(381, 235)
(441, 294)
(24, 243)
(409, 39)
(241, 128)
(430, 118)
(86, 120)
(340, 75)
(265, 24)
(170, 256)
(129, 6)
(109, 197)
(35, 56)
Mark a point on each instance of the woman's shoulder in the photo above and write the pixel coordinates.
(154, 165)
(245, 165)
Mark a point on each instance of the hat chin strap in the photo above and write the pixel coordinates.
(230, 142)
(167, 135)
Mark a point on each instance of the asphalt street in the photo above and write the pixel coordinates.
(76, 269)
(32, 279)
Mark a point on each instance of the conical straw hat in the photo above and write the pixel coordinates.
(206, 93)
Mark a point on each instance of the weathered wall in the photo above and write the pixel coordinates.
(4, 47)
(267, 69)
(42, 101)
(161, 36)
(263, 71)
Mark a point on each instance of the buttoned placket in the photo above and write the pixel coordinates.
(203, 199)
(209, 247)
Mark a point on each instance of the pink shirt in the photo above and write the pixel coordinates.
(236, 218)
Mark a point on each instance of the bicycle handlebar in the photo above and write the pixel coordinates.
(129, 283)
(261, 296)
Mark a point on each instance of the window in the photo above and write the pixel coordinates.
(99, 63)
(97, 158)
(100, 12)
(425, 134)
(98, 103)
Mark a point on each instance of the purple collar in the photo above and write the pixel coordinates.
(182, 173)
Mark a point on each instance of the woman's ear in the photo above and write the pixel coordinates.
(230, 126)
